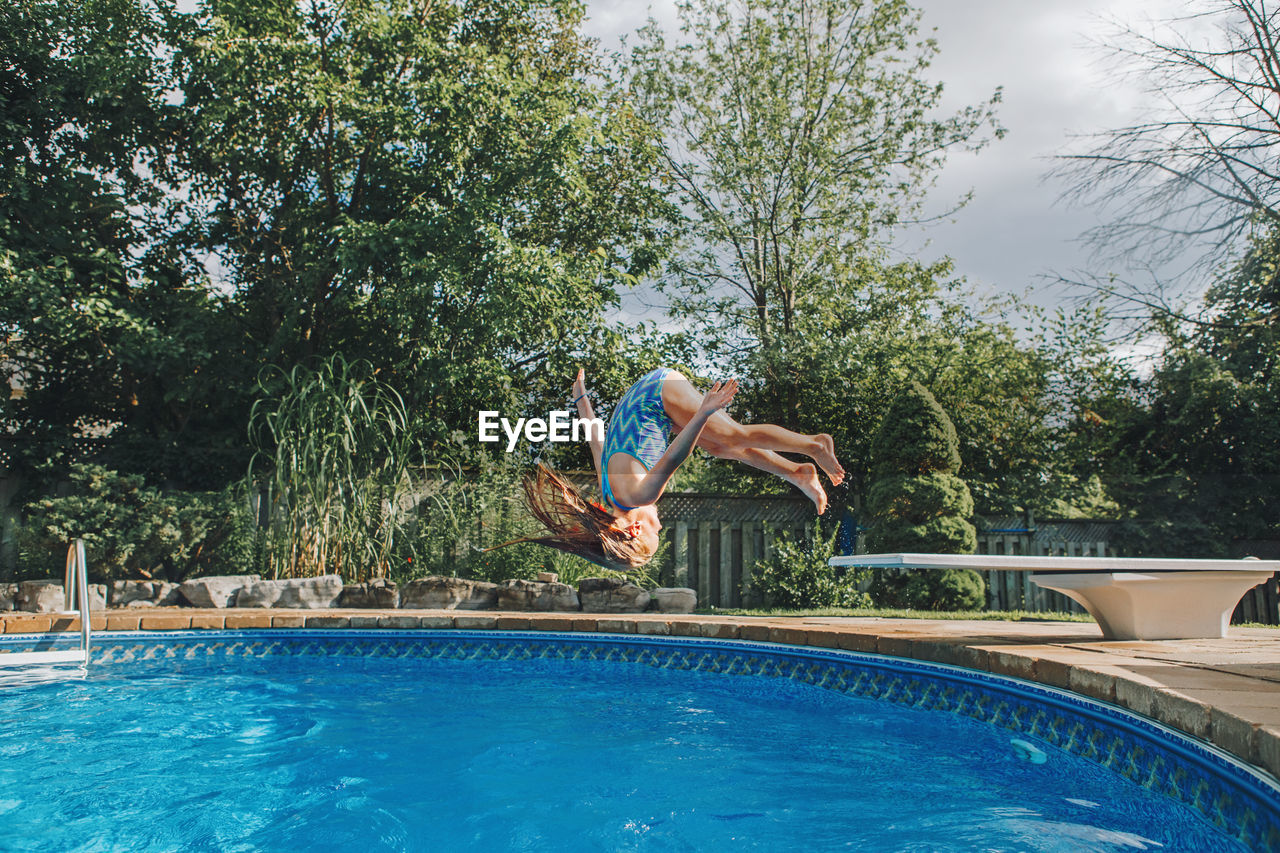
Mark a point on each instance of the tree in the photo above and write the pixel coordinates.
(443, 189)
(799, 136)
(1198, 174)
(102, 325)
(1201, 462)
(918, 504)
(1036, 409)
(799, 133)
(436, 187)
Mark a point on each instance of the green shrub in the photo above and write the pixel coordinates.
(800, 575)
(917, 503)
(920, 498)
(943, 535)
(915, 437)
(131, 530)
(948, 589)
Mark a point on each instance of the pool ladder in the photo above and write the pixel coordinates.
(76, 589)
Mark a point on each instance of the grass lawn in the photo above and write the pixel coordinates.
(889, 613)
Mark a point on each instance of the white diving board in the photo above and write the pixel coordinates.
(1133, 598)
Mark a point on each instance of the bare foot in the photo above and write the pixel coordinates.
(825, 456)
(806, 478)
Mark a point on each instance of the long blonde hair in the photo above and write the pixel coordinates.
(578, 526)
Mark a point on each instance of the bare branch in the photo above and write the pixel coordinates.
(1197, 177)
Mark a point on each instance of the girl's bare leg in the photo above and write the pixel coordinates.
(681, 400)
(802, 475)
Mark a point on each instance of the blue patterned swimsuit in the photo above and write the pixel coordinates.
(638, 428)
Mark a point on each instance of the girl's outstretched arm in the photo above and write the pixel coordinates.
(586, 412)
(651, 487)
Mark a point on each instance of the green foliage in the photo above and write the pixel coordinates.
(1088, 499)
(444, 192)
(799, 574)
(110, 327)
(919, 505)
(134, 531)
(448, 193)
(789, 282)
(950, 589)
(1199, 465)
(943, 535)
(919, 498)
(916, 437)
(464, 511)
(333, 452)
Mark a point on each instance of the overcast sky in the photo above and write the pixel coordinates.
(1044, 54)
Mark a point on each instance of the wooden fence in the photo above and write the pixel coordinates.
(1262, 603)
(715, 543)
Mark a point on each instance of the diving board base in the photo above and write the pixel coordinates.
(1185, 605)
(1133, 598)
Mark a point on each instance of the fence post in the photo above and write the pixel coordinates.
(725, 593)
(704, 564)
(748, 561)
(680, 556)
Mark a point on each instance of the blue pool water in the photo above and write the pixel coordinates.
(258, 750)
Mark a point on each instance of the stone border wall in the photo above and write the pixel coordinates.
(591, 595)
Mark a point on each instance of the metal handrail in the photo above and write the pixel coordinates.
(76, 590)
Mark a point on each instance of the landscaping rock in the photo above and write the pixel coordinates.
(611, 595)
(315, 593)
(260, 594)
(47, 596)
(217, 591)
(40, 596)
(439, 593)
(378, 593)
(679, 599)
(536, 595)
(8, 592)
(125, 593)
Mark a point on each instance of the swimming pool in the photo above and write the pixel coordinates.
(443, 740)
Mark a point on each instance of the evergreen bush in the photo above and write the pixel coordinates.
(917, 503)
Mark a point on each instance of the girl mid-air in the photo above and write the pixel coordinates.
(634, 463)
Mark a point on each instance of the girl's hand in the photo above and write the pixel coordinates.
(719, 397)
(579, 384)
